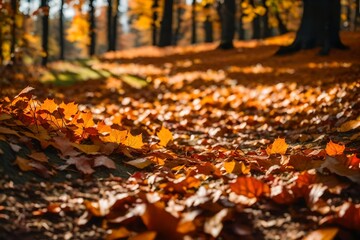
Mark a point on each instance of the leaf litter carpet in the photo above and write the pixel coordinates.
(235, 144)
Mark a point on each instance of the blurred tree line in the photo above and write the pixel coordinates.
(36, 31)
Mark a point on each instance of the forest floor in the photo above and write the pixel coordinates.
(211, 161)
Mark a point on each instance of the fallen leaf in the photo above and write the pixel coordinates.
(24, 164)
(165, 136)
(134, 141)
(236, 167)
(69, 109)
(38, 156)
(24, 91)
(104, 161)
(333, 149)
(121, 232)
(49, 105)
(115, 136)
(148, 235)
(213, 225)
(349, 125)
(140, 163)
(279, 146)
(88, 149)
(353, 162)
(322, 234)
(249, 187)
(4, 130)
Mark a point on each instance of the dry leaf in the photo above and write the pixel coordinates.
(349, 125)
(121, 232)
(38, 156)
(140, 163)
(279, 146)
(104, 161)
(88, 149)
(134, 141)
(236, 167)
(322, 234)
(249, 187)
(333, 149)
(148, 235)
(24, 164)
(165, 136)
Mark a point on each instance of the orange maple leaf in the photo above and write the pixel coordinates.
(165, 136)
(69, 109)
(236, 167)
(249, 187)
(134, 141)
(115, 136)
(278, 146)
(333, 149)
(49, 105)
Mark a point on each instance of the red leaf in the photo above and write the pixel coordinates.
(249, 187)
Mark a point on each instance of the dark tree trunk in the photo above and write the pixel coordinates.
(1, 49)
(166, 24)
(179, 13)
(115, 25)
(241, 31)
(208, 26)
(227, 10)
(320, 26)
(154, 22)
(92, 30)
(266, 30)
(282, 28)
(14, 6)
(256, 24)
(109, 23)
(45, 31)
(357, 15)
(61, 31)
(193, 22)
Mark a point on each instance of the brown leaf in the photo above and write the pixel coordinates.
(38, 156)
(140, 163)
(121, 232)
(148, 235)
(156, 218)
(24, 91)
(236, 167)
(24, 164)
(104, 161)
(249, 187)
(302, 163)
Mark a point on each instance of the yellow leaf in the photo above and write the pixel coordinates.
(24, 164)
(333, 149)
(322, 234)
(115, 136)
(278, 146)
(236, 167)
(134, 141)
(140, 163)
(49, 105)
(165, 136)
(69, 109)
(88, 149)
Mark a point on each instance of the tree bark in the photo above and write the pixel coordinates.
(45, 31)
(179, 13)
(281, 26)
(61, 31)
(154, 21)
(115, 25)
(208, 26)
(266, 30)
(255, 24)
(166, 24)
(320, 26)
(241, 31)
(193, 22)
(226, 10)
(109, 23)
(14, 7)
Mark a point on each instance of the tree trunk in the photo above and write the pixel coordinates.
(208, 25)
(1, 48)
(193, 22)
(92, 28)
(226, 10)
(256, 24)
(61, 31)
(115, 26)
(154, 21)
(166, 24)
(266, 30)
(320, 26)
(241, 31)
(282, 28)
(45, 31)
(14, 6)
(109, 23)
(179, 13)
(357, 15)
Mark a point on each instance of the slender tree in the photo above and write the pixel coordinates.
(179, 13)
(227, 10)
(92, 29)
(166, 33)
(193, 22)
(266, 30)
(320, 26)
(14, 8)
(45, 31)
(114, 26)
(255, 23)
(155, 16)
(61, 30)
(241, 31)
(208, 24)
(281, 26)
(109, 23)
